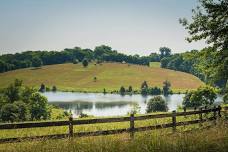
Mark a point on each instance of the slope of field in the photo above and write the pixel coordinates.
(74, 77)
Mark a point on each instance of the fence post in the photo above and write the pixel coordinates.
(132, 125)
(174, 120)
(201, 117)
(71, 132)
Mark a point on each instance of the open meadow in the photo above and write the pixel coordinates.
(111, 76)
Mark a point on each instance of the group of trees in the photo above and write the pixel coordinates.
(123, 91)
(44, 88)
(20, 103)
(74, 55)
(146, 90)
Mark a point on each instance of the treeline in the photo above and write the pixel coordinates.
(204, 64)
(100, 53)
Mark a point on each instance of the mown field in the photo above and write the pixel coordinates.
(111, 76)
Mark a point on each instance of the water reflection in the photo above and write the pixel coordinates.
(99, 104)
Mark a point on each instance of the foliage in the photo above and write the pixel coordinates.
(75, 61)
(209, 21)
(201, 97)
(165, 52)
(155, 104)
(19, 103)
(39, 109)
(54, 88)
(225, 98)
(122, 90)
(166, 87)
(42, 88)
(85, 63)
(144, 85)
(101, 53)
(37, 62)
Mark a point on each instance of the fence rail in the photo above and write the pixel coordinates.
(131, 119)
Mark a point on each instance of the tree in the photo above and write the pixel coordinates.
(209, 22)
(130, 89)
(122, 90)
(9, 112)
(144, 85)
(166, 87)
(37, 62)
(23, 111)
(12, 92)
(155, 104)
(164, 52)
(54, 88)
(42, 88)
(202, 96)
(85, 63)
(39, 109)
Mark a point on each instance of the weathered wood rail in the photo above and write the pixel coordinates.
(216, 111)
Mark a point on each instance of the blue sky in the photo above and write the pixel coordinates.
(130, 26)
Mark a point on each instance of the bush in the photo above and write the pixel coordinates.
(9, 112)
(54, 88)
(122, 90)
(166, 87)
(85, 63)
(203, 96)
(156, 104)
(75, 61)
(225, 98)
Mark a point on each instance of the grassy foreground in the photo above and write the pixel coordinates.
(111, 76)
(214, 139)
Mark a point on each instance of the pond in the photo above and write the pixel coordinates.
(99, 104)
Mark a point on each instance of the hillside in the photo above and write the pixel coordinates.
(110, 76)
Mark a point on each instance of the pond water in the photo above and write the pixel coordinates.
(99, 104)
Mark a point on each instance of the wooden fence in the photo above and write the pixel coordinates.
(216, 112)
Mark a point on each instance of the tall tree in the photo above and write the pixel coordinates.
(209, 22)
(164, 52)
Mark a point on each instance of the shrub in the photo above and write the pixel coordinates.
(144, 85)
(9, 112)
(54, 88)
(42, 88)
(156, 103)
(122, 90)
(166, 87)
(203, 96)
(75, 61)
(85, 63)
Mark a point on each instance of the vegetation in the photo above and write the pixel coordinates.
(155, 104)
(74, 55)
(203, 96)
(146, 142)
(111, 76)
(19, 103)
(166, 87)
(209, 22)
(85, 63)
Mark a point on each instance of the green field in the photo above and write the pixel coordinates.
(155, 64)
(111, 76)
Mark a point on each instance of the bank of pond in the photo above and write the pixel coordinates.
(99, 104)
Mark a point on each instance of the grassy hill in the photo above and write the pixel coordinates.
(74, 77)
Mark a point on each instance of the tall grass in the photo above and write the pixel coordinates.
(214, 139)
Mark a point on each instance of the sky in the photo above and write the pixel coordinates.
(129, 26)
